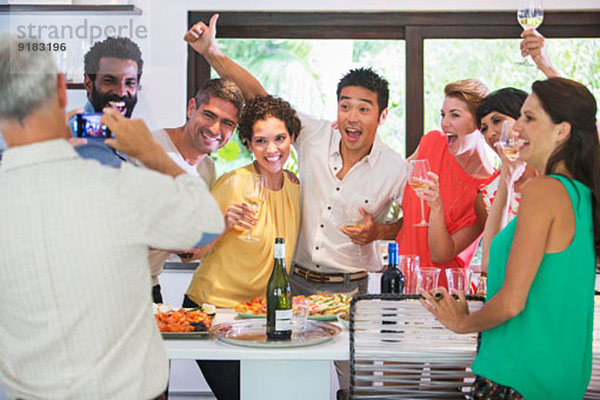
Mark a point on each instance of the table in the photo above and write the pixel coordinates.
(294, 373)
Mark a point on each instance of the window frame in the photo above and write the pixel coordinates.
(412, 27)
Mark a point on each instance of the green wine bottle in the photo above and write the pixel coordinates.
(279, 297)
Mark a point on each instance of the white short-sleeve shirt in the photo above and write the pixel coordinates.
(75, 300)
(205, 169)
(373, 183)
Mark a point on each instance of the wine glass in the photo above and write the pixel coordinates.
(417, 181)
(530, 15)
(509, 142)
(353, 218)
(254, 194)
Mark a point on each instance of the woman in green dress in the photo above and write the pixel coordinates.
(537, 322)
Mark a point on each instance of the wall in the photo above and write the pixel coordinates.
(162, 98)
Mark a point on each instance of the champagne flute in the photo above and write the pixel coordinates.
(254, 194)
(530, 15)
(417, 181)
(509, 142)
(353, 219)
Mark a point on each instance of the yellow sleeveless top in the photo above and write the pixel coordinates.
(237, 270)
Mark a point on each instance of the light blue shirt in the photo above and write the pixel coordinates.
(95, 149)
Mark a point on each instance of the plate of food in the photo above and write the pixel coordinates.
(344, 318)
(323, 306)
(184, 323)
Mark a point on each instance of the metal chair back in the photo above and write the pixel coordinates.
(398, 350)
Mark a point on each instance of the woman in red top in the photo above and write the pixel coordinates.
(459, 168)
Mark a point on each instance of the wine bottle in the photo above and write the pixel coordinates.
(279, 297)
(392, 279)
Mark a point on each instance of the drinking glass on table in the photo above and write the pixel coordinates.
(510, 142)
(301, 307)
(428, 278)
(459, 279)
(409, 265)
(353, 219)
(254, 194)
(530, 15)
(418, 181)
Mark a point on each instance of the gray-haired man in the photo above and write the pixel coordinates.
(75, 290)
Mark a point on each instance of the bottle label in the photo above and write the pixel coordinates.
(283, 320)
(279, 250)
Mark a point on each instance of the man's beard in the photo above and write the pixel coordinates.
(100, 100)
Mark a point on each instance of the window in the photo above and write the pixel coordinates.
(425, 37)
(306, 73)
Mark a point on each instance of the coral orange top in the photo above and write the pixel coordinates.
(458, 190)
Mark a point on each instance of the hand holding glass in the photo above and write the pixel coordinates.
(510, 142)
(353, 219)
(418, 181)
(530, 15)
(254, 194)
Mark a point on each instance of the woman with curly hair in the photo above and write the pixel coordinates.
(237, 270)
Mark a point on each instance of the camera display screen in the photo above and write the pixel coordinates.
(89, 126)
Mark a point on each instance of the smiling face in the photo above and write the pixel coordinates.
(270, 144)
(540, 136)
(210, 126)
(115, 85)
(358, 118)
(457, 124)
(491, 127)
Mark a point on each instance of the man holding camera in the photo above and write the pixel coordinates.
(76, 312)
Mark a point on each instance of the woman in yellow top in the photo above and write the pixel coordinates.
(236, 270)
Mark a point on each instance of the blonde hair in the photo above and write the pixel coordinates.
(471, 91)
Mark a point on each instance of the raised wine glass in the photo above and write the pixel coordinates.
(510, 142)
(353, 219)
(417, 181)
(530, 15)
(254, 194)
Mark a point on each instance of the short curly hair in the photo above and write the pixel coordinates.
(262, 107)
(118, 47)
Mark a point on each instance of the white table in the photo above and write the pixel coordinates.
(294, 373)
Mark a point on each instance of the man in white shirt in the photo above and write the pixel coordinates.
(213, 114)
(76, 310)
(345, 169)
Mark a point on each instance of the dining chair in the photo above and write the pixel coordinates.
(593, 390)
(398, 350)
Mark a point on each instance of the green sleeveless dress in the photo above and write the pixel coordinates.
(545, 352)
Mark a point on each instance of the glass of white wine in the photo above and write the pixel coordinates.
(510, 142)
(254, 194)
(530, 15)
(353, 219)
(418, 181)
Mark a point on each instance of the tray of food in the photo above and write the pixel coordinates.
(323, 306)
(252, 333)
(184, 323)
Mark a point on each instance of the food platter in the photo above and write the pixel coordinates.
(323, 306)
(185, 335)
(184, 323)
(252, 333)
(316, 317)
